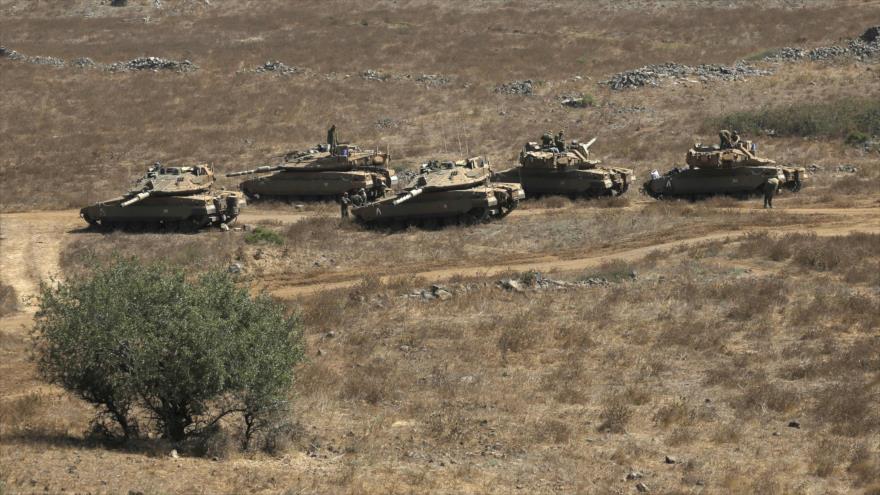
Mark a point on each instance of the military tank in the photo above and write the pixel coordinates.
(444, 192)
(729, 169)
(566, 169)
(169, 198)
(325, 171)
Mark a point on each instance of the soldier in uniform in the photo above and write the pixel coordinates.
(724, 135)
(344, 203)
(560, 141)
(331, 138)
(362, 195)
(734, 139)
(547, 140)
(379, 189)
(769, 190)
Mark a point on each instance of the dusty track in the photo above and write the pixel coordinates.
(31, 243)
(859, 220)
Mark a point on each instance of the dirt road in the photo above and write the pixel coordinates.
(286, 288)
(31, 243)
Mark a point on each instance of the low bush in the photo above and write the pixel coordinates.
(615, 415)
(262, 235)
(146, 345)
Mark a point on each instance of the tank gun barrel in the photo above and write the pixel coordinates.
(138, 197)
(406, 197)
(590, 143)
(258, 170)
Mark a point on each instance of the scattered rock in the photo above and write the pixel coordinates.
(642, 488)
(510, 284)
(441, 293)
(278, 68)
(84, 63)
(143, 63)
(847, 168)
(433, 80)
(388, 123)
(153, 64)
(634, 475)
(671, 460)
(118, 3)
(575, 100)
(516, 88)
(653, 75)
(235, 268)
(794, 424)
(374, 75)
(174, 454)
(862, 48)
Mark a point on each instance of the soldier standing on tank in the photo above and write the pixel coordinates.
(560, 141)
(734, 139)
(344, 203)
(769, 190)
(724, 135)
(331, 138)
(547, 140)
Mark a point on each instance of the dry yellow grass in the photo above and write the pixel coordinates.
(73, 136)
(554, 390)
(706, 355)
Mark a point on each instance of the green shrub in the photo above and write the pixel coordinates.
(836, 119)
(135, 338)
(263, 236)
(856, 138)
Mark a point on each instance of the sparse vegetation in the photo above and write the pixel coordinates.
(850, 118)
(262, 235)
(145, 345)
(706, 354)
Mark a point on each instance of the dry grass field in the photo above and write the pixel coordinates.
(720, 349)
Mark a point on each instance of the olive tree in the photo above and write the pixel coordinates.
(148, 342)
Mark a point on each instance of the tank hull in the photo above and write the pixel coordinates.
(467, 205)
(286, 184)
(569, 182)
(695, 183)
(188, 212)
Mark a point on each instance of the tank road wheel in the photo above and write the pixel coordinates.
(623, 189)
(478, 215)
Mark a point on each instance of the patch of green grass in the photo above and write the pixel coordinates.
(856, 117)
(262, 235)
